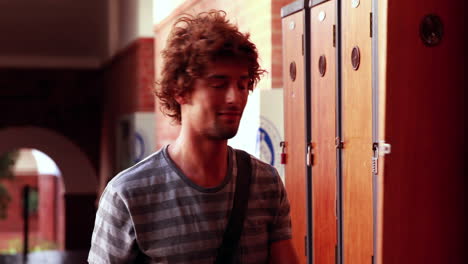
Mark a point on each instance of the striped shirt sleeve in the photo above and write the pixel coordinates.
(280, 229)
(113, 239)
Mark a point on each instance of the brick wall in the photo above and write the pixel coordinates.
(11, 228)
(128, 84)
(43, 224)
(14, 221)
(276, 43)
(48, 207)
(145, 55)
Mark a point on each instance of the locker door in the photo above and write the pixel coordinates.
(323, 113)
(356, 131)
(294, 124)
(424, 206)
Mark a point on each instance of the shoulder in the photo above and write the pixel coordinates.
(263, 171)
(144, 173)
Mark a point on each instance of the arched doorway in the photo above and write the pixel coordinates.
(79, 178)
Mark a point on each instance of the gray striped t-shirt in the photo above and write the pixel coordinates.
(152, 213)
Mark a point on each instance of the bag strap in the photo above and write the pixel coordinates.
(235, 224)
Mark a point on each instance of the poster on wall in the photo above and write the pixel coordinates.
(268, 144)
(271, 129)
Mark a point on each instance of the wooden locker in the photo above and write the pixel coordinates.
(323, 131)
(294, 122)
(424, 68)
(356, 128)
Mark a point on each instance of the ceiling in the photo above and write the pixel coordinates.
(43, 32)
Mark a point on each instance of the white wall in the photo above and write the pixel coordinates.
(163, 8)
(128, 21)
(145, 18)
(246, 137)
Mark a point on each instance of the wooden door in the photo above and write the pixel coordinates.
(294, 124)
(323, 123)
(357, 196)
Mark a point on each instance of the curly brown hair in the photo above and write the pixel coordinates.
(193, 42)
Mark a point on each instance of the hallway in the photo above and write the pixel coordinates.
(361, 112)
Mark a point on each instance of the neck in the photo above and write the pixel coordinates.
(204, 161)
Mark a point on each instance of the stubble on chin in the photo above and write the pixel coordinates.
(223, 132)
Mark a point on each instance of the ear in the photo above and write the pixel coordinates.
(181, 99)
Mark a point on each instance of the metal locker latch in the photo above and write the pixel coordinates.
(379, 149)
(375, 157)
(384, 148)
(283, 154)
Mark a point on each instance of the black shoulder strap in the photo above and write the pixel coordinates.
(239, 208)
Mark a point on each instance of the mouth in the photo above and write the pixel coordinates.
(230, 113)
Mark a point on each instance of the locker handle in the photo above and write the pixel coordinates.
(310, 155)
(339, 144)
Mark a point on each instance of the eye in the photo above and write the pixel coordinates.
(242, 86)
(218, 84)
(243, 83)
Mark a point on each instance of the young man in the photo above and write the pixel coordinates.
(174, 206)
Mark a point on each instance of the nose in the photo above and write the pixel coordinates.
(235, 94)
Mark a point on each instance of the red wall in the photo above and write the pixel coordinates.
(128, 85)
(43, 225)
(14, 222)
(276, 43)
(48, 207)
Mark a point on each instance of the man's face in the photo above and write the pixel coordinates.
(214, 107)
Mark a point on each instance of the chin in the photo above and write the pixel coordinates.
(222, 135)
